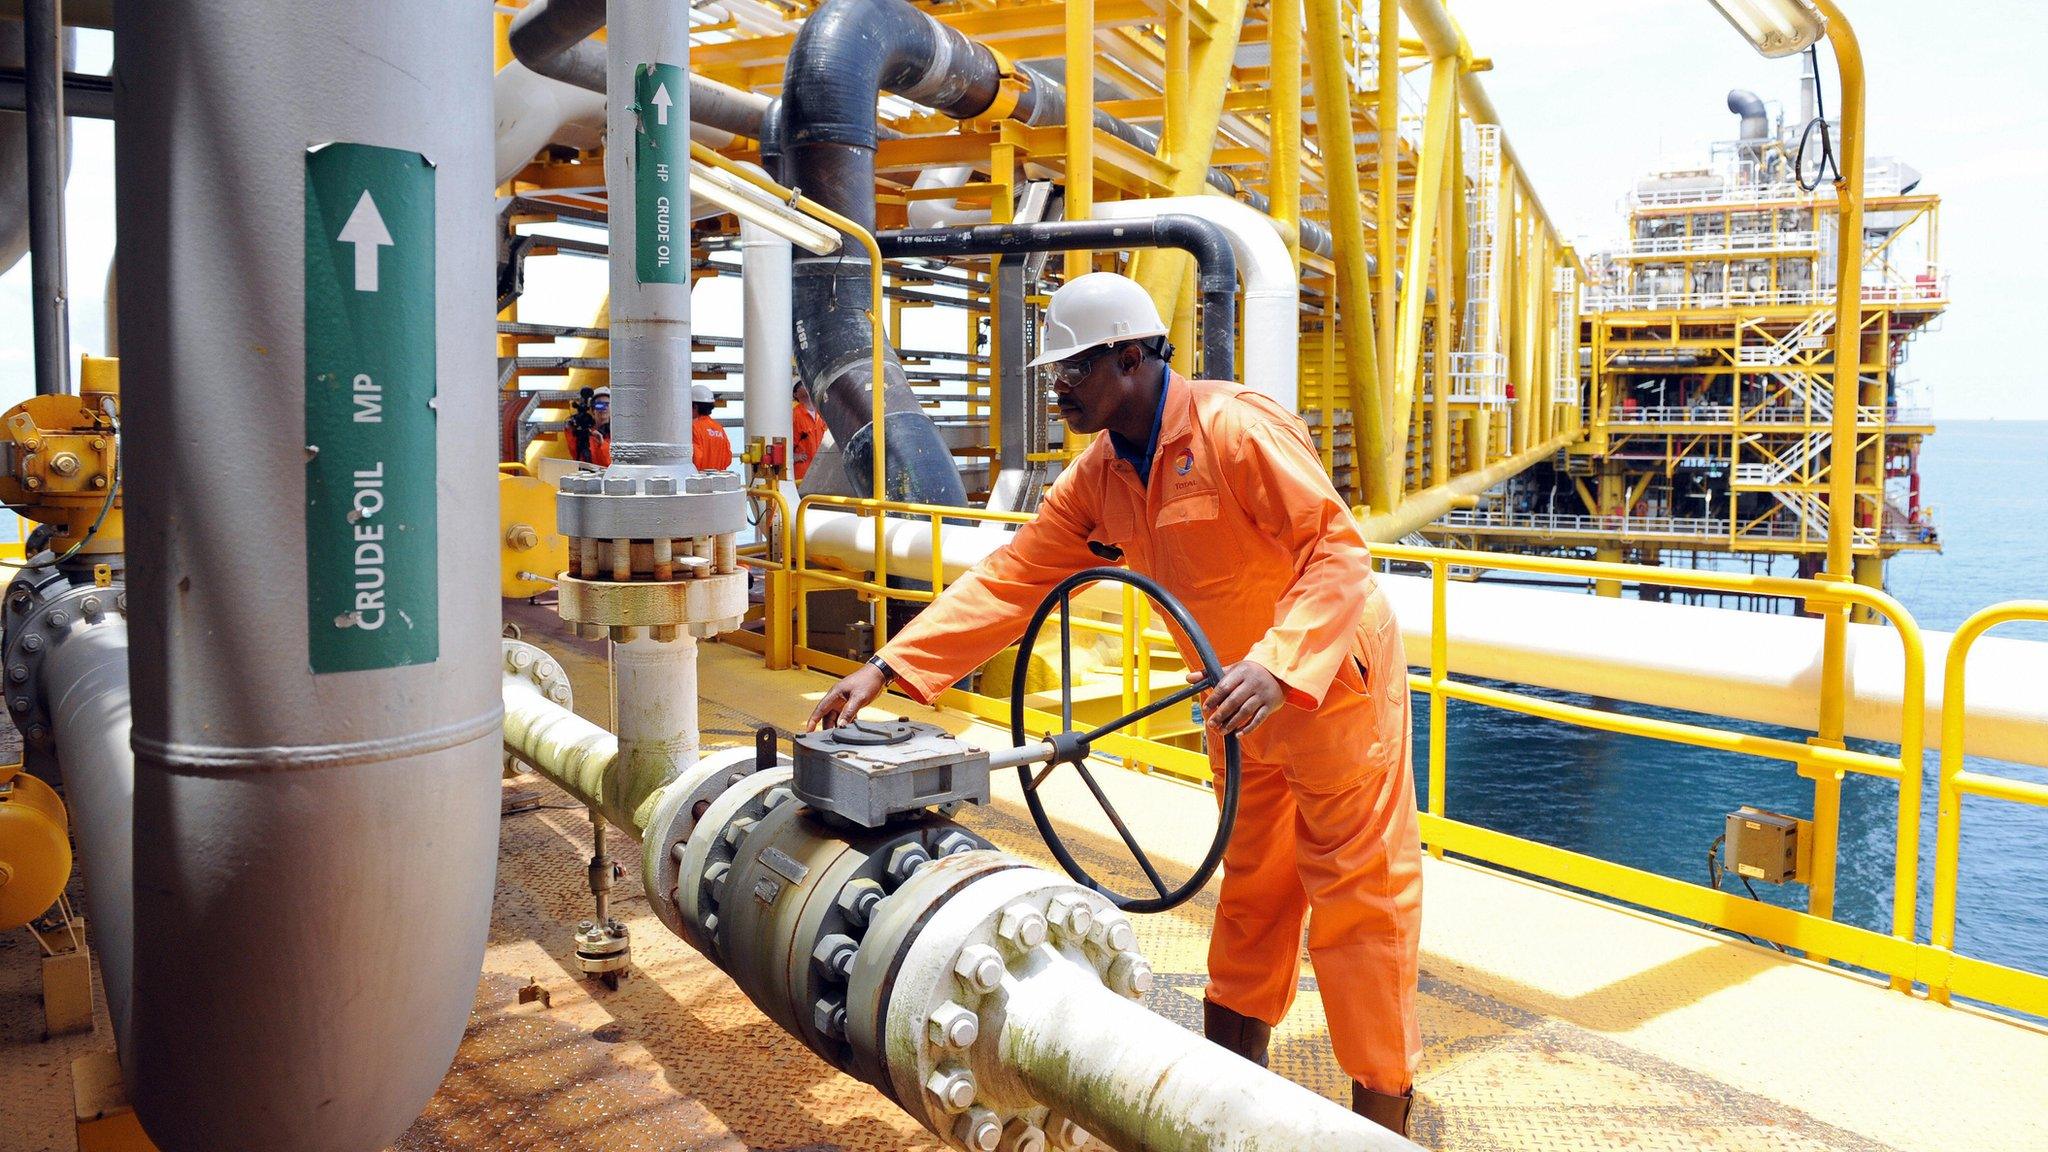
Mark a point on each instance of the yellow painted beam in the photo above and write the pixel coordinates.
(1422, 233)
(1354, 284)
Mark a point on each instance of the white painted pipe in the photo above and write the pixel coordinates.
(532, 111)
(1135, 1079)
(943, 213)
(770, 340)
(1747, 665)
(1272, 289)
(654, 688)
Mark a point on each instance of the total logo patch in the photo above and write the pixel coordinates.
(1183, 462)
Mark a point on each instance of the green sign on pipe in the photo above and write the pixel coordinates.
(661, 155)
(372, 556)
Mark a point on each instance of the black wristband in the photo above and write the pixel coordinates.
(882, 666)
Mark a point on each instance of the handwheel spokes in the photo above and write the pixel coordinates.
(1159, 705)
(1066, 668)
(1117, 821)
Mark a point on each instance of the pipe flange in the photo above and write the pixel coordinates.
(678, 806)
(528, 664)
(635, 502)
(709, 852)
(964, 956)
(715, 602)
(45, 607)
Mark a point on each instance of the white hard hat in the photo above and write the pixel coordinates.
(1093, 310)
(701, 394)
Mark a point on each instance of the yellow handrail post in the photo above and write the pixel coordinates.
(1948, 839)
(1439, 668)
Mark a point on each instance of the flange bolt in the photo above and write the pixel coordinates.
(858, 899)
(1022, 927)
(980, 1130)
(1130, 975)
(979, 968)
(953, 1087)
(953, 1026)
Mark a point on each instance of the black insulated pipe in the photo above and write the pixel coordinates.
(1216, 264)
(43, 65)
(552, 37)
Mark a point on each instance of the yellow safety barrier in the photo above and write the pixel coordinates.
(1898, 955)
(1958, 782)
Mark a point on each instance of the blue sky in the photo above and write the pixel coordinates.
(1593, 93)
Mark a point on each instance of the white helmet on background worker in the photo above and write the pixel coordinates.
(701, 394)
(1094, 310)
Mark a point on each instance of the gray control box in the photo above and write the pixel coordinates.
(869, 772)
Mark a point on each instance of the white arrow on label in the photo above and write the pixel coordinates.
(365, 229)
(661, 103)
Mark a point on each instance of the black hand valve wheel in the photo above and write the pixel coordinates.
(1072, 747)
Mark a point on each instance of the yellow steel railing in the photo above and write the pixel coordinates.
(1958, 782)
(1898, 955)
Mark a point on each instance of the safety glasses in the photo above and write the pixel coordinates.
(1068, 373)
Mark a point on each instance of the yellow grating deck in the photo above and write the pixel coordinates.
(1550, 1021)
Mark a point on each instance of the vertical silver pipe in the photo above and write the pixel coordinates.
(43, 25)
(314, 851)
(650, 319)
(654, 688)
(84, 686)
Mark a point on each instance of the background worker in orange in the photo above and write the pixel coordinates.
(1216, 492)
(807, 430)
(710, 447)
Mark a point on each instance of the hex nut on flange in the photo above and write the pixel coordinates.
(1021, 1135)
(979, 1130)
(905, 859)
(858, 899)
(832, 959)
(1112, 933)
(979, 968)
(1071, 917)
(1021, 926)
(952, 1086)
(1130, 975)
(953, 1026)
(829, 1018)
(1066, 1135)
(953, 843)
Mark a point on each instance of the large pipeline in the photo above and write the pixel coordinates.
(314, 853)
(1215, 262)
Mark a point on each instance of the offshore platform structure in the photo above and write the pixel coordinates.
(1709, 365)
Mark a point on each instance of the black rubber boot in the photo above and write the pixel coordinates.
(1238, 1033)
(1387, 1111)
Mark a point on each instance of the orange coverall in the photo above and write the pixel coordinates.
(807, 434)
(1239, 521)
(710, 448)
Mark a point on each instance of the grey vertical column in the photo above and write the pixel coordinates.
(49, 306)
(649, 204)
(314, 850)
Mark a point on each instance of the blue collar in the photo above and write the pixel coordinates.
(1141, 462)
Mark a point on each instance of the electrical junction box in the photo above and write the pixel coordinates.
(1763, 845)
(869, 772)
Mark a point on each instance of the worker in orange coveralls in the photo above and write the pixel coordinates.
(807, 430)
(1216, 492)
(710, 447)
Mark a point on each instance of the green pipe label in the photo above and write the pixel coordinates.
(372, 564)
(661, 152)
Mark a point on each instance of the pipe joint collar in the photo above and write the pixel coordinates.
(45, 608)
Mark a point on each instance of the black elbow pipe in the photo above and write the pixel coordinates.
(552, 37)
(1216, 264)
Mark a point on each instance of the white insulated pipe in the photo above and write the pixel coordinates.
(314, 852)
(1135, 1079)
(1272, 288)
(1748, 665)
(654, 688)
(770, 337)
(922, 214)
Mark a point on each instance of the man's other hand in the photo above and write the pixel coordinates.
(1243, 698)
(844, 702)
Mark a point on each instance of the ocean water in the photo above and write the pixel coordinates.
(1658, 806)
